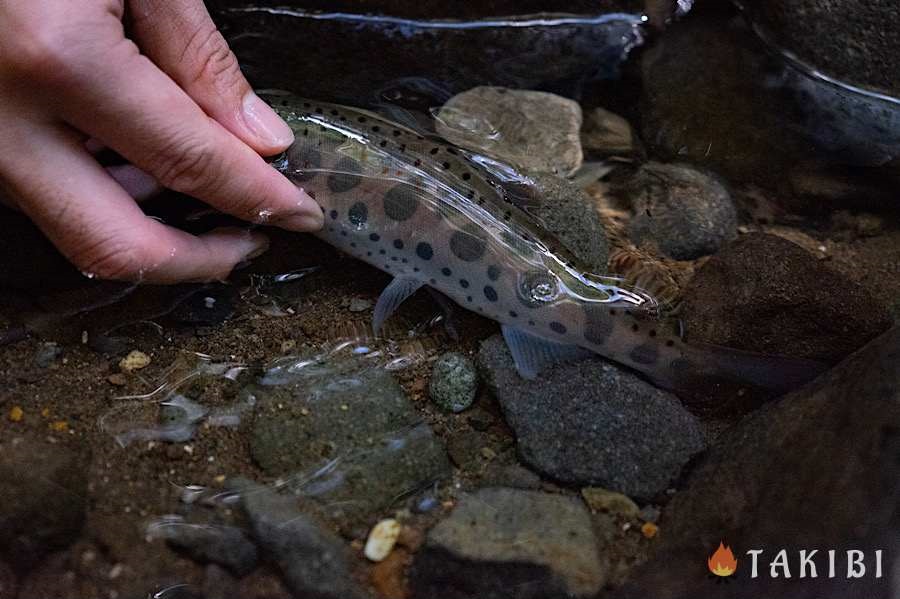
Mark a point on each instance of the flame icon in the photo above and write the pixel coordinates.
(722, 561)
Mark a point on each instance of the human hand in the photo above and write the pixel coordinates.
(169, 97)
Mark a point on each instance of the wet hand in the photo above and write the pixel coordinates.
(156, 82)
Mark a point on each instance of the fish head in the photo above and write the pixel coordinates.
(558, 282)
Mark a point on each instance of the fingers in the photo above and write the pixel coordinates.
(181, 38)
(125, 101)
(99, 228)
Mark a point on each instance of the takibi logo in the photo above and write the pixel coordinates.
(809, 563)
(722, 562)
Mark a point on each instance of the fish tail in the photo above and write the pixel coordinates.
(702, 367)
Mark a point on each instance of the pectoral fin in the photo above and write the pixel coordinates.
(390, 299)
(532, 354)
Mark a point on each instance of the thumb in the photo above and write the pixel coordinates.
(181, 38)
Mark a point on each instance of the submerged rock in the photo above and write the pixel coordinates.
(854, 40)
(816, 469)
(570, 214)
(593, 423)
(345, 435)
(313, 561)
(509, 543)
(605, 133)
(536, 131)
(687, 214)
(219, 544)
(453, 382)
(43, 492)
(765, 294)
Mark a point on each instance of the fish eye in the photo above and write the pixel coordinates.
(538, 287)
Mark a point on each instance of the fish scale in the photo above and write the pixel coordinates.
(432, 214)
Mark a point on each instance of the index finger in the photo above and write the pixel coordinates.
(123, 99)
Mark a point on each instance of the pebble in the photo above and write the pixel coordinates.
(117, 379)
(602, 500)
(47, 353)
(16, 414)
(135, 360)
(537, 131)
(382, 539)
(359, 305)
(605, 133)
(686, 213)
(609, 427)
(499, 541)
(454, 382)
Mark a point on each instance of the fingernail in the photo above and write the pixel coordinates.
(267, 125)
(302, 222)
(261, 247)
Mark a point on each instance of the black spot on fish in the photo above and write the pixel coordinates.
(558, 327)
(398, 243)
(466, 176)
(434, 151)
(376, 128)
(400, 202)
(382, 143)
(446, 166)
(513, 314)
(424, 251)
(361, 119)
(644, 354)
(468, 298)
(358, 214)
(467, 245)
(493, 272)
(302, 162)
(490, 293)
(346, 175)
(374, 237)
(432, 281)
(333, 214)
(446, 271)
(382, 252)
(464, 283)
(597, 325)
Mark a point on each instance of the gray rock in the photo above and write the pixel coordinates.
(816, 469)
(43, 492)
(593, 423)
(454, 382)
(47, 353)
(345, 434)
(219, 544)
(313, 561)
(765, 294)
(684, 212)
(537, 131)
(568, 212)
(509, 543)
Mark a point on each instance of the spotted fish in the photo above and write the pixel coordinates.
(433, 214)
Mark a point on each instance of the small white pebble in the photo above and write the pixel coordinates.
(135, 360)
(115, 571)
(209, 302)
(382, 539)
